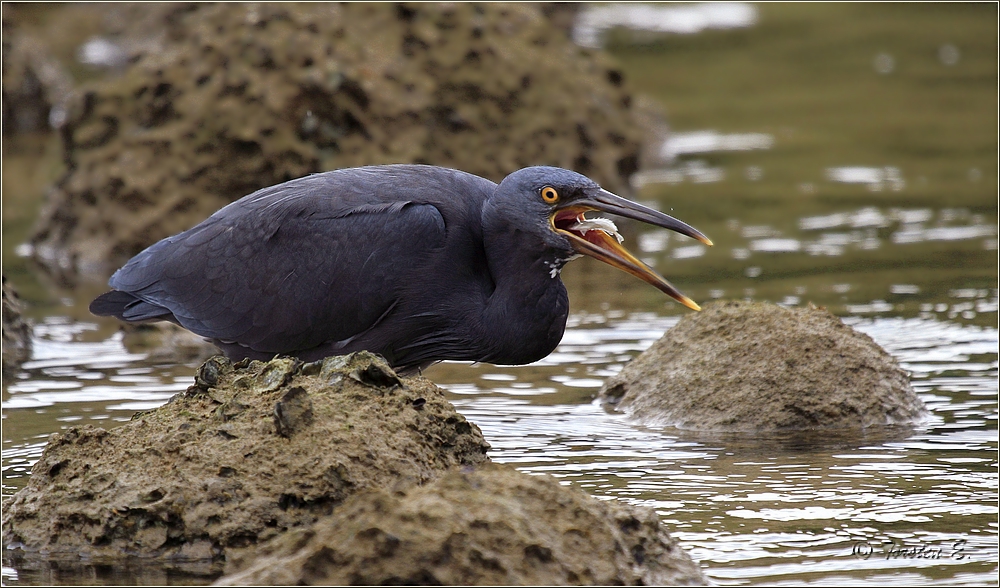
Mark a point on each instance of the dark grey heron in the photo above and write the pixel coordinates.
(416, 263)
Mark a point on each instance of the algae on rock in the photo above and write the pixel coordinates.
(237, 459)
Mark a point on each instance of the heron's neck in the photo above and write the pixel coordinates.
(526, 313)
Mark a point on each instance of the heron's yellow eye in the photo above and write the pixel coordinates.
(549, 195)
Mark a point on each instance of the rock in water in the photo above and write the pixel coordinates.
(16, 332)
(246, 453)
(751, 366)
(490, 526)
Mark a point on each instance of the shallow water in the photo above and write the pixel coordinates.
(795, 508)
(841, 156)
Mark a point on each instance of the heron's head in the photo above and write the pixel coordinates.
(559, 200)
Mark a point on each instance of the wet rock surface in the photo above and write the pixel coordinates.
(16, 332)
(751, 366)
(489, 526)
(229, 98)
(246, 453)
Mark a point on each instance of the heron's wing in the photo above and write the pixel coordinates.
(287, 268)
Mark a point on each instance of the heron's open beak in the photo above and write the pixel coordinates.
(599, 240)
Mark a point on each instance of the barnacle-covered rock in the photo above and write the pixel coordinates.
(249, 451)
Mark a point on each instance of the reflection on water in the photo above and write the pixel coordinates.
(694, 171)
(682, 19)
(686, 143)
(874, 178)
(680, 144)
(906, 226)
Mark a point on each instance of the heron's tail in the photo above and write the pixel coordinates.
(128, 307)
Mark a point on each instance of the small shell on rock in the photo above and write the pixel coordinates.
(210, 371)
(275, 373)
(363, 367)
(293, 411)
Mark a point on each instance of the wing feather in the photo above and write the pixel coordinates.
(270, 269)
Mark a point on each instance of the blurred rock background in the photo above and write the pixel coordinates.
(166, 112)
